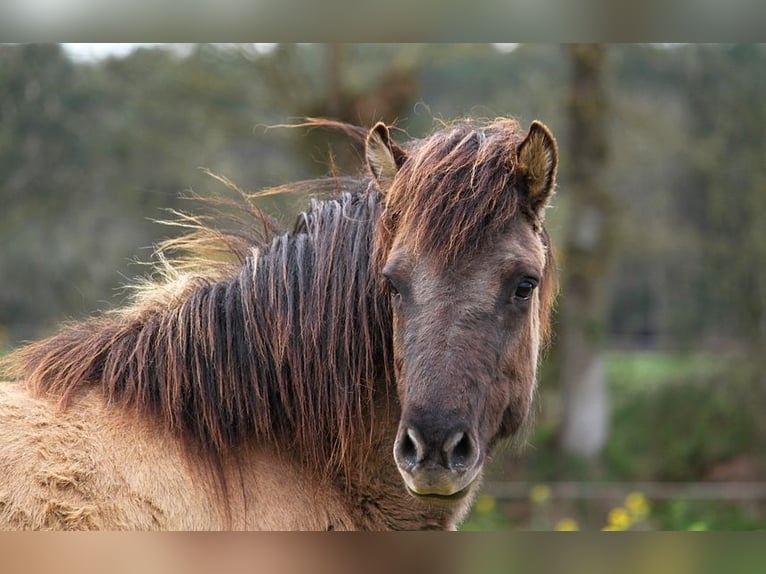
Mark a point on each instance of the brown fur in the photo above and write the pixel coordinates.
(257, 390)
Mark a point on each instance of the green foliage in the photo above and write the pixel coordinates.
(675, 416)
(706, 515)
(486, 516)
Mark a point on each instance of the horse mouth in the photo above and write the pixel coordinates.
(441, 498)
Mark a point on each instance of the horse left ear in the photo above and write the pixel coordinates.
(537, 159)
(384, 157)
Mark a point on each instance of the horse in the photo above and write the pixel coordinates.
(355, 372)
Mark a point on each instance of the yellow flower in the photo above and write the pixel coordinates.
(637, 506)
(539, 493)
(567, 525)
(619, 518)
(485, 503)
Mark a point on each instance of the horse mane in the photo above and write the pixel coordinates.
(268, 334)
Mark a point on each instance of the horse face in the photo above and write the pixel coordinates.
(467, 321)
(466, 340)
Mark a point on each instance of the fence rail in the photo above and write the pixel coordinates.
(733, 491)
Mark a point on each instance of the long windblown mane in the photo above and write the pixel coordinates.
(259, 333)
(286, 342)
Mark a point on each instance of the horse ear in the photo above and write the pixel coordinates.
(384, 157)
(537, 159)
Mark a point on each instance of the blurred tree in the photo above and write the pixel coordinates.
(44, 154)
(89, 152)
(587, 255)
(726, 93)
(340, 82)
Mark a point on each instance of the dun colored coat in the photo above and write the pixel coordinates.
(354, 373)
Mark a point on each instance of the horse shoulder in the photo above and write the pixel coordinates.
(91, 466)
(85, 467)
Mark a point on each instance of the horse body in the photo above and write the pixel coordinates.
(405, 315)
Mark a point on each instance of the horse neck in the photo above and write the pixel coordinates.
(293, 349)
(315, 331)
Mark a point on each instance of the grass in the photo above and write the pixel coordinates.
(635, 372)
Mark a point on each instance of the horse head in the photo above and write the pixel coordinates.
(465, 259)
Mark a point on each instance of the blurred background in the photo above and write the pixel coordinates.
(650, 412)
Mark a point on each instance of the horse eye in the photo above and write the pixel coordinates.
(524, 289)
(391, 287)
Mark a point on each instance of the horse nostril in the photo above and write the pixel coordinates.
(459, 451)
(408, 449)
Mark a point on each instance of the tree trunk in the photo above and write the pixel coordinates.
(587, 252)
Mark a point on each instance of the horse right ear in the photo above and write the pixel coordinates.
(537, 158)
(384, 157)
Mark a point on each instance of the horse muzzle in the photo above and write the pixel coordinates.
(440, 466)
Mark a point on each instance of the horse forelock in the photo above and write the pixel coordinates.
(455, 190)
